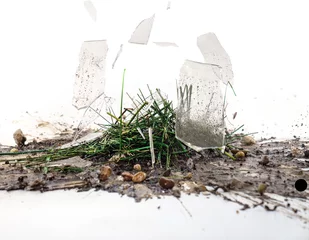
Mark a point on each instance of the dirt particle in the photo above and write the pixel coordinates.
(19, 138)
(306, 154)
(167, 173)
(141, 191)
(139, 177)
(188, 176)
(259, 152)
(176, 192)
(190, 163)
(264, 161)
(201, 188)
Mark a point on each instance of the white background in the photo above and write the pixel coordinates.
(267, 42)
(39, 48)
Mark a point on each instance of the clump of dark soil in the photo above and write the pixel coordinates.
(275, 164)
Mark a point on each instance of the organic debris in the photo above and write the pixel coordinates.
(121, 160)
(19, 138)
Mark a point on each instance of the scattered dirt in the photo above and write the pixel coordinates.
(274, 164)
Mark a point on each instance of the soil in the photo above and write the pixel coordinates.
(207, 172)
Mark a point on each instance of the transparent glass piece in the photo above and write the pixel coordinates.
(142, 32)
(91, 10)
(94, 111)
(117, 56)
(90, 74)
(214, 54)
(199, 116)
(165, 44)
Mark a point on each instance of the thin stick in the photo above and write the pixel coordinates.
(121, 103)
(153, 160)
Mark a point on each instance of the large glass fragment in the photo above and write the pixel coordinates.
(200, 120)
(97, 109)
(142, 32)
(214, 54)
(91, 10)
(90, 74)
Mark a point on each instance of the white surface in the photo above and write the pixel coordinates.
(267, 42)
(40, 43)
(100, 215)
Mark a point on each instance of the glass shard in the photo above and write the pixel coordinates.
(90, 74)
(214, 54)
(142, 32)
(200, 121)
(91, 10)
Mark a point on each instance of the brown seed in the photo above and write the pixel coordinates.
(234, 151)
(262, 188)
(127, 176)
(19, 138)
(166, 183)
(240, 155)
(105, 173)
(137, 167)
(139, 177)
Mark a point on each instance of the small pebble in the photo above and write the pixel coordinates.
(248, 141)
(105, 173)
(14, 150)
(139, 177)
(137, 167)
(176, 192)
(19, 138)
